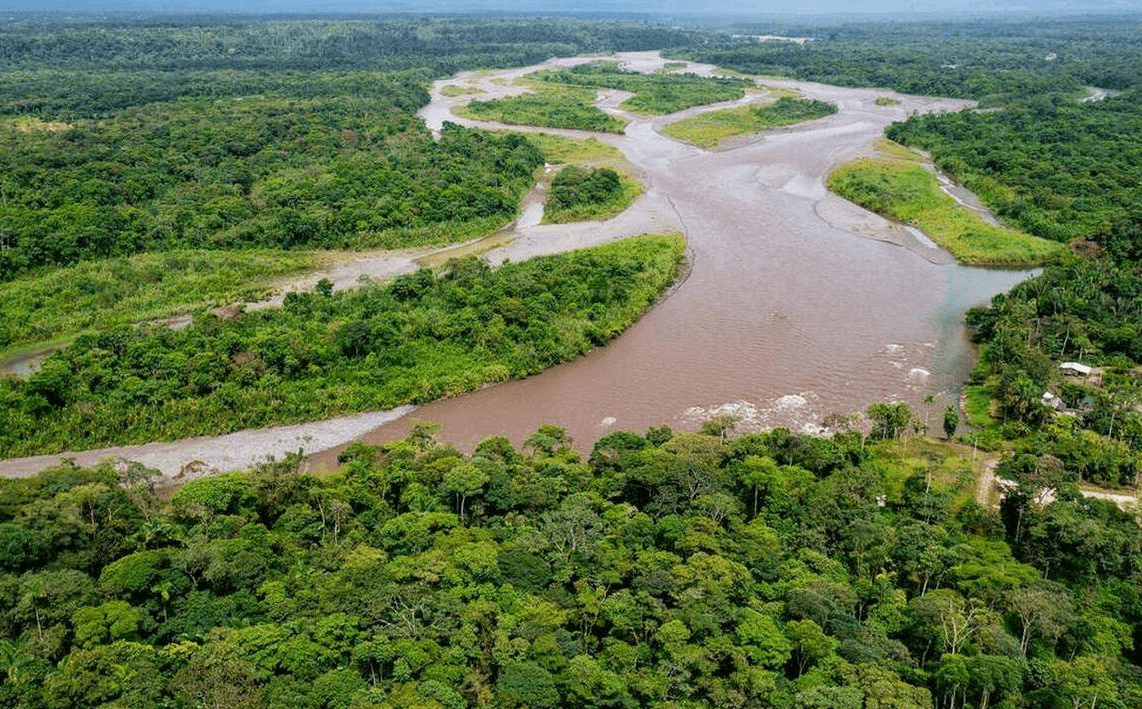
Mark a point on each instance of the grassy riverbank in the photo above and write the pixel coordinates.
(903, 190)
(421, 337)
(62, 302)
(709, 130)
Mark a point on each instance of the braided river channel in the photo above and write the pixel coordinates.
(797, 304)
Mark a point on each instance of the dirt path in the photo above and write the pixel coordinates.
(1123, 501)
(662, 162)
(986, 483)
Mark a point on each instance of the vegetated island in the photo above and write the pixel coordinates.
(564, 98)
(899, 187)
(586, 193)
(713, 128)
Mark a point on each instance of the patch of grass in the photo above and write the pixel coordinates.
(905, 191)
(103, 294)
(886, 101)
(671, 66)
(453, 90)
(548, 107)
(892, 149)
(559, 149)
(708, 130)
(977, 406)
(477, 247)
(941, 465)
(784, 93)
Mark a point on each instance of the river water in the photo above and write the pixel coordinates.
(798, 304)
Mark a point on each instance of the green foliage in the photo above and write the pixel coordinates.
(713, 567)
(667, 570)
(104, 294)
(907, 192)
(708, 130)
(993, 58)
(656, 94)
(549, 107)
(579, 194)
(268, 172)
(1050, 166)
(417, 339)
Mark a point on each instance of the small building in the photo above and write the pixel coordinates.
(1053, 402)
(1075, 369)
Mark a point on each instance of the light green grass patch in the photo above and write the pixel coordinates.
(92, 295)
(892, 149)
(453, 90)
(906, 192)
(886, 101)
(784, 93)
(942, 466)
(560, 149)
(708, 130)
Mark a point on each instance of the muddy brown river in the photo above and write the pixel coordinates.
(797, 304)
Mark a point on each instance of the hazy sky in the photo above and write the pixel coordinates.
(767, 7)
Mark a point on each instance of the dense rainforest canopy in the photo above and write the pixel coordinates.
(666, 570)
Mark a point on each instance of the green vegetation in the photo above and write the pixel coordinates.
(667, 570)
(1074, 175)
(417, 339)
(992, 59)
(580, 194)
(886, 101)
(656, 94)
(105, 294)
(708, 130)
(563, 98)
(548, 107)
(459, 90)
(905, 191)
(559, 149)
(768, 570)
(253, 172)
(1085, 309)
